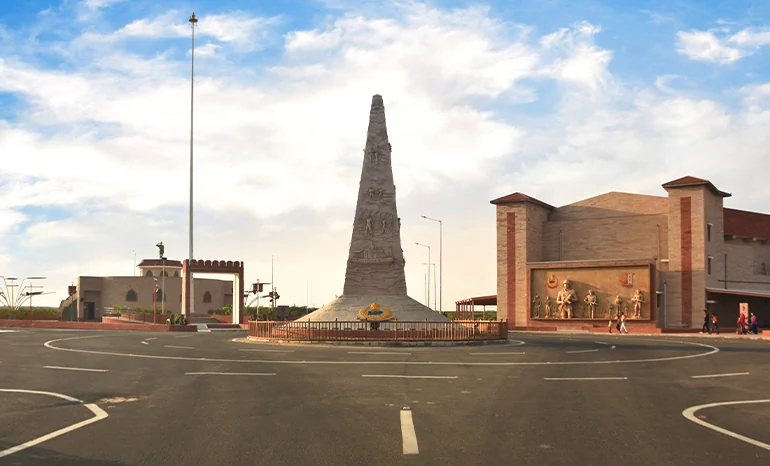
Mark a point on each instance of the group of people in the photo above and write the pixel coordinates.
(745, 326)
(620, 323)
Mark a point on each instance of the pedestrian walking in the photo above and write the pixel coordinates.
(706, 328)
(623, 323)
(754, 324)
(741, 330)
(714, 321)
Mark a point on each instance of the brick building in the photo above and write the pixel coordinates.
(681, 253)
(94, 294)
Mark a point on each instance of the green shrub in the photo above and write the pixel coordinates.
(26, 314)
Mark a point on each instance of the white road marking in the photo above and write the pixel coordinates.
(376, 352)
(718, 375)
(150, 339)
(585, 378)
(713, 350)
(518, 343)
(412, 376)
(689, 414)
(99, 414)
(178, 347)
(145, 343)
(490, 354)
(184, 336)
(583, 351)
(408, 435)
(612, 347)
(75, 369)
(228, 373)
(7, 331)
(602, 343)
(268, 350)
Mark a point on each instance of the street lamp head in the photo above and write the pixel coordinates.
(193, 19)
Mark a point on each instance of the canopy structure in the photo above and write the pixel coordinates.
(465, 309)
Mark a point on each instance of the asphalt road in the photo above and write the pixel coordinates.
(204, 399)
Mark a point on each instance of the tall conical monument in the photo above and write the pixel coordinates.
(375, 286)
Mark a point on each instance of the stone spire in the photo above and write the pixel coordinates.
(376, 260)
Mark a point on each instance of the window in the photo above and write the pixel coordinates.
(176, 273)
(148, 273)
(709, 265)
(708, 232)
(164, 274)
(131, 296)
(207, 297)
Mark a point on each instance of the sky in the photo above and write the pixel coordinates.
(560, 100)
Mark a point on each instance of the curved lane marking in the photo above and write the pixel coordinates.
(99, 414)
(689, 414)
(714, 349)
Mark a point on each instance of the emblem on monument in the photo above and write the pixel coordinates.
(627, 279)
(553, 282)
(375, 312)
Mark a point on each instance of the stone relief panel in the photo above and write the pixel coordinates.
(591, 293)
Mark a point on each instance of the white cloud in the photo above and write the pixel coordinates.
(96, 4)
(705, 46)
(751, 37)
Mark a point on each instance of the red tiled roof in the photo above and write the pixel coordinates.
(745, 223)
(688, 181)
(159, 263)
(520, 197)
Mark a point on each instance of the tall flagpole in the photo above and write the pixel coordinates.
(193, 20)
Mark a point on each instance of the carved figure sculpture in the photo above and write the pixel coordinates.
(537, 305)
(618, 303)
(565, 299)
(387, 222)
(592, 302)
(373, 156)
(368, 231)
(547, 307)
(638, 300)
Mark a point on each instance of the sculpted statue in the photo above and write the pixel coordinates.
(387, 222)
(592, 302)
(638, 300)
(565, 299)
(537, 305)
(548, 307)
(618, 303)
(368, 231)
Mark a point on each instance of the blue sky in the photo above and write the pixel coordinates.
(483, 99)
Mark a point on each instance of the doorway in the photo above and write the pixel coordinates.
(90, 311)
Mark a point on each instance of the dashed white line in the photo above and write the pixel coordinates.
(145, 343)
(612, 347)
(494, 354)
(377, 352)
(718, 375)
(410, 376)
(268, 350)
(408, 435)
(585, 378)
(75, 369)
(689, 414)
(229, 373)
(602, 343)
(150, 339)
(583, 351)
(99, 414)
(178, 347)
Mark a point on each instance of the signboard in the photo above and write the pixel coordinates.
(745, 310)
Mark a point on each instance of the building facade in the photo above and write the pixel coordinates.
(95, 294)
(660, 260)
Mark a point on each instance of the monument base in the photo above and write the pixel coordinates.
(386, 307)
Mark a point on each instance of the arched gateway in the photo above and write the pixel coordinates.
(189, 267)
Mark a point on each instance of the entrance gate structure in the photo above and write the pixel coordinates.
(190, 267)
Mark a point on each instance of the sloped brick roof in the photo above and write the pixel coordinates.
(689, 181)
(520, 197)
(745, 223)
(159, 263)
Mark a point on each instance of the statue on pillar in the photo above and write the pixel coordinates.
(565, 299)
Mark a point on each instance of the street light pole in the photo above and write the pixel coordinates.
(193, 21)
(434, 282)
(440, 260)
(426, 246)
